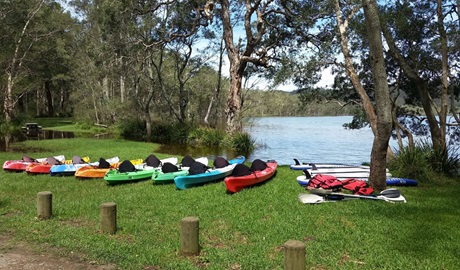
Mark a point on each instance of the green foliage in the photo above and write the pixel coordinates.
(170, 133)
(445, 161)
(183, 134)
(133, 129)
(411, 163)
(206, 136)
(423, 163)
(359, 119)
(242, 142)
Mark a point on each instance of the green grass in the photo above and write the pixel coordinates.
(245, 230)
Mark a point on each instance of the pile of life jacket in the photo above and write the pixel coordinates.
(356, 186)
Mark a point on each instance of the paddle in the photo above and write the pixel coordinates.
(315, 199)
(389, 195)
(311, 198)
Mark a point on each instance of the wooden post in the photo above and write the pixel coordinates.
(294, 255)
(44, 204)
(109, 217)
(189, 236)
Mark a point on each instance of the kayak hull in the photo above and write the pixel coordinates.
(237, 183)
(212, 175)
(70, 169)
(168, 178)
(21, 165)
(95, 172)
(113, 176)
(143, 172)
(188, 181)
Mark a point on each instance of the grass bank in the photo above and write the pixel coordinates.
(245, 230)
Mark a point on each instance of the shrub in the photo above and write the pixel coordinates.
(242, 142)
(422, 162)
(411, 163)
(170, 133)
(133, 129)
(206, 136)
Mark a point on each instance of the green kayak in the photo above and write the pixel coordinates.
(167, 178)
(113, 176)
(135, 173)
(161, 177)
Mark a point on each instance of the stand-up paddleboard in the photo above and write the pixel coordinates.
(330, 168)
(308, 166)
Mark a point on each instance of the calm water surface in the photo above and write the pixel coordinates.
(310, 139)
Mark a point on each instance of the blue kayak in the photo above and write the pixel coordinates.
(191, 180)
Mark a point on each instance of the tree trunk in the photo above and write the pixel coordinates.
(49, 99)
(382, 96)
(233, 108)
(445, 70)
(148, 125)
(8, 105)
(215, 96)
(16, 63)
(368, 107)
(237, 67)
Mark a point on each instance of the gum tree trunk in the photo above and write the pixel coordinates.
(382, 96)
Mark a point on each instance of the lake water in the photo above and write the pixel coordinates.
(310, 139)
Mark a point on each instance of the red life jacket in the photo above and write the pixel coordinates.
(356, 186)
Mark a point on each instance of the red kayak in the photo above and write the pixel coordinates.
(22, 164)
(237, 182)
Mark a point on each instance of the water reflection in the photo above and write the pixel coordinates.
(180, 150)
(8, 139)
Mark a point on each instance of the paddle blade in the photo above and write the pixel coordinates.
(310, 198)
(400, 198)
(391, 193)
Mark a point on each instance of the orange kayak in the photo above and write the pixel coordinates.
(96, 172)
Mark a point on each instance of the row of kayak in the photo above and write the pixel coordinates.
(187, 173)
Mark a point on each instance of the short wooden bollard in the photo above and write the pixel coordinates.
(294, 255)
(109, 217)
(189, 236)
(44, 205)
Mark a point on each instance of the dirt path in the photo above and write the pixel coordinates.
(20, 256)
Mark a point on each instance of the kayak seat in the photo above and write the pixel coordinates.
(126, 166)
(258, 165)
(169, 167)
(241, 170)
(53, 161)
(103, 164)
(197, 168)
(152, 161)
(28, 159)
(77, 160)
(187, 161)
(220, 162)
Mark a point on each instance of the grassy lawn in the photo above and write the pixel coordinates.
(245, 230)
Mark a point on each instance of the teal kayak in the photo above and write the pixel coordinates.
(166, 178)
(211, 175)
(141, 172)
